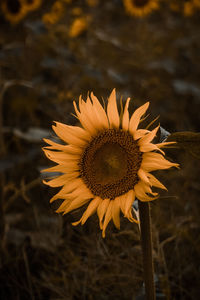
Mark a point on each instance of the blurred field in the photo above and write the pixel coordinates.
(44, 66)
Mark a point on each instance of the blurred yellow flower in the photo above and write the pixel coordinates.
(56, 13)
(186, 7)
(140, 8)
(14, 12)
(78, 26)
(106, 163)
(190, 7)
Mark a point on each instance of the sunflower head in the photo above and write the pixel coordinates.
(14, 10)
(106, 162)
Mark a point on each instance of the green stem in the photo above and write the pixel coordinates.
(146, 241)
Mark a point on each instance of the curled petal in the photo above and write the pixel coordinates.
(129, 201)
(150, 147)
(141, 193)
(155, 182)
(136, 116)
(148, 137)
(140, 133)
(155, 161)
(143, 175)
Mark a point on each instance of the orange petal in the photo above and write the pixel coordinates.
(143, 175)
(116, 212)
(148, 137)
(112, 111)
(108, 217)
(92, 207)
(84, 120)
(101, 211)
(61, 180)
(155, 182)
(140, 193)
(140, 133)
(125, 118)
(68, 137)
(129, 201)
(102, 116)
(136, 116)
(150, 147)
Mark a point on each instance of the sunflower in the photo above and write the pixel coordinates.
(189, 7)
(140, 8)
(14, 10)
(106, 162)
(56, 13)
(78, 26)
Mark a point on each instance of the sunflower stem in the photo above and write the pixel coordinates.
(146, 242)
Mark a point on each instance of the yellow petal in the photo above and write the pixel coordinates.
(140, 192)
(125, 118)
(73, 130)
(54, 146)
(65, 148)
(100, 112)
(140, 133)
(162, 145)
(143, 175)
(64, 206)
(155, 182)
(112, 111)
(60, 156)
(101, 211)
(129, 216)
(155, 161)
(76, 203)
(92, 207)
(122, 200)
(61, 180)
(107, 218)
(129, 201)
(68, 137)
(67, 189)
(116, 212)
(58, 168)
(136, 116)
(89, 112)
(81, 191)
(148, 137)
(150, 147)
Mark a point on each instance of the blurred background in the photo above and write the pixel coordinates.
(50, 53)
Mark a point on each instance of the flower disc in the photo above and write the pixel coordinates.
(109, 164)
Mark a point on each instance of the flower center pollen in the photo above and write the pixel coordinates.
(110, 162)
